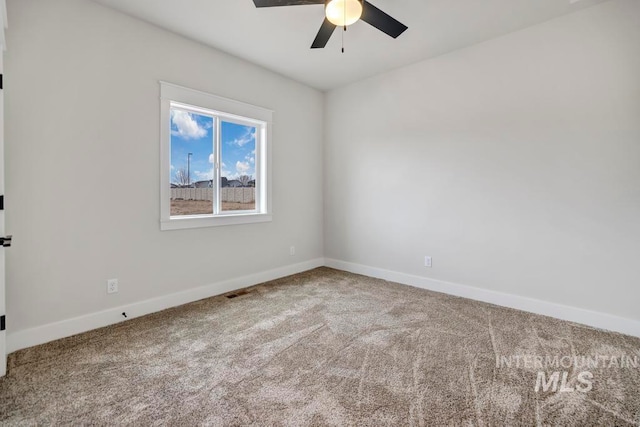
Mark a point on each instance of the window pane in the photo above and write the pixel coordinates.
(238, 168)
(191, 163)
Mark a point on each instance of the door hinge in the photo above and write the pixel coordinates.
(6, 241)
(1, 81)
(2, 324)
(1, 203)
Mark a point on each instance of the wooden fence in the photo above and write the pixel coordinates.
(227, 194)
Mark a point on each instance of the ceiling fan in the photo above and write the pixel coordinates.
(342, 13)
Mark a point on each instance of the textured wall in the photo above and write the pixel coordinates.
(82, 132)
(514, 163)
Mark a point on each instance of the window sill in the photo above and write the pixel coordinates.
(180, 223)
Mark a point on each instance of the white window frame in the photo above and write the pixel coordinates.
(220, 109)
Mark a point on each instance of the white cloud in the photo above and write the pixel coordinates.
(187, 126)
(249, 136)
(203, 176)
(212, 158)
(242, 167)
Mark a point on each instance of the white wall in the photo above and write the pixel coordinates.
(82, 136)
(514, 163)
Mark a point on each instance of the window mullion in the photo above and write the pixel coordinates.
(257, 158)
(217, 191)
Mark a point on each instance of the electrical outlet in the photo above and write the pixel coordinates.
(112, 286)
(427, 261)
(292, 250)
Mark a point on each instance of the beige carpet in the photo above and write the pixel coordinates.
(326, 348)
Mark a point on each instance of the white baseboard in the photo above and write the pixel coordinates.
(3, 366)
(65, 328)
(578, 315)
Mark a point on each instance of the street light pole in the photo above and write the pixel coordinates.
(189, 169)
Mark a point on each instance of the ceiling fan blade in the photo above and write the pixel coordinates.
(324, 35)
(385, 23)
(272, 3)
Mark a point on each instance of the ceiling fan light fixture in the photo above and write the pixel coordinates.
(343, 12)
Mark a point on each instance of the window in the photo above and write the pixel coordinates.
(215, 160)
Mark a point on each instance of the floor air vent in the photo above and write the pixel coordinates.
(237, 294)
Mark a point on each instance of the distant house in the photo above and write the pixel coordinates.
(251, 183)
(234, 183)
(203, 184)
(224, 181)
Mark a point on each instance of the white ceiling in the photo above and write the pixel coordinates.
(278, 38)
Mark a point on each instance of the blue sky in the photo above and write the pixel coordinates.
(193, 133)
